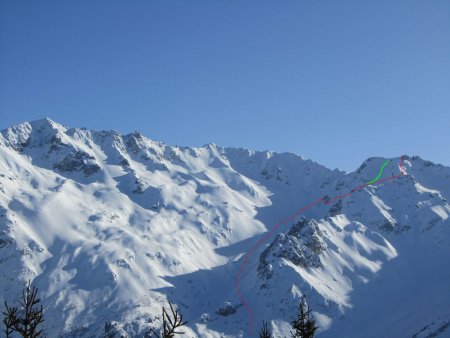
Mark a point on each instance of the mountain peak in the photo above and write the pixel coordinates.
(25, 133)
(47, 123)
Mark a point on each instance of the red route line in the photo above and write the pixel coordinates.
(290, 219)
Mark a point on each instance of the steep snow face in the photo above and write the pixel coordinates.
(375, 266)
(110, 227)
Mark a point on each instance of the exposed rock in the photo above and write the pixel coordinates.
(226, 309)
(78, 161)
(302, 246)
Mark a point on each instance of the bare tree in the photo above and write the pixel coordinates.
(26, 318)
(170, 323)
(10, 315)
(265, 331)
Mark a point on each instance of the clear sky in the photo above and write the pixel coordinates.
(334, 81)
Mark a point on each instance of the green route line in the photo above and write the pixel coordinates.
(381, 171)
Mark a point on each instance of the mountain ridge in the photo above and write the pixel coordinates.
(111, 226)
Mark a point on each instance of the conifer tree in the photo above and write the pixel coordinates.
(304, 325)
(26, 318)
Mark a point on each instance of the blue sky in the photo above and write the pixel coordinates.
(334, 81)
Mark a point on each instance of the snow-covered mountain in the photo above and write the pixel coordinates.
(110, 227)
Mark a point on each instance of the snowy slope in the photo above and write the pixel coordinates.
(110, 227)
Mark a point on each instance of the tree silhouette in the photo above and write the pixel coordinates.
(304, 325)
(26, 318)
(265, 331)
(170, 323)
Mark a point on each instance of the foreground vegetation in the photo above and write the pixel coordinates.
(26, 320)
